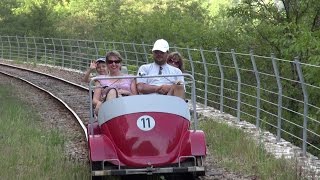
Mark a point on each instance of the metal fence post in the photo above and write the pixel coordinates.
(89, 57)
(79, 55)
(104, 45)
(221, 79)
(276, 72)
(125, 52)
(239, 84)
(1, 47)
(191, 61)
(25, 39)
(9, 47)
(256, 73)
(113, 45)
(305, 105)
(205, 78)
(54, 51)
(62, 47)
(18, 46)
(70, 54)
(96, 49)
(193, 100)
(45, 50)
(35, 45)
(145, 52)
(135, 52)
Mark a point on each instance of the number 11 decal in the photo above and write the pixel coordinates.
(146, 123)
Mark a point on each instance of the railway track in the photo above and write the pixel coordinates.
(65, 105)
(73, 96)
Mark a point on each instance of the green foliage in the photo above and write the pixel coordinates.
(291, 30)
(137, 21)
(251, 24)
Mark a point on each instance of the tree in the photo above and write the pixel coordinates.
(289, 28)
(7, 17)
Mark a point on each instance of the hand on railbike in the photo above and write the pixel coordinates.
(96, 109)
(164, 89)
(124, 92)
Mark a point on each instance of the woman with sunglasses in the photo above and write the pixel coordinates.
(175, 59)
(113, 88)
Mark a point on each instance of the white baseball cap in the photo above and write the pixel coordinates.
(101, 59)
(161, 45)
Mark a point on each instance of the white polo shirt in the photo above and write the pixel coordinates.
(153, 69)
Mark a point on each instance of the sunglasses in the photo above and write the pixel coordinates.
(111, 62)
(170, 61)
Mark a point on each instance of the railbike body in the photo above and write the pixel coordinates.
(146, 134)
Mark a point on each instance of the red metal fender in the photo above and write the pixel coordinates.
(198, 143)
(193, 144)
(101, 148)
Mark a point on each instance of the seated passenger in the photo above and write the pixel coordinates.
(175, 59)
(161, 85)
(113, 88)
(99, 65)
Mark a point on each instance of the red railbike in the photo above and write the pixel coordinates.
(146, 134)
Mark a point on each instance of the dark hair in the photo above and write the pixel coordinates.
(179, 57)
(113, 53)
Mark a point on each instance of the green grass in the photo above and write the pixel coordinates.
(29, 151)
(235, 150)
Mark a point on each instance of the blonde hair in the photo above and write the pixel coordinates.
(179, 57)
(113, 53)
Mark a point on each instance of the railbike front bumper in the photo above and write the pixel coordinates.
(150, 171)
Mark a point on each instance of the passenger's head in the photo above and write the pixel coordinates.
(101, 66)
(160, 51)
(114, 59)
(175, 59)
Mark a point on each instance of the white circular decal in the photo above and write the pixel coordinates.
(145, 123)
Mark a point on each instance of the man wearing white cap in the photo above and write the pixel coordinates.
(160, 85)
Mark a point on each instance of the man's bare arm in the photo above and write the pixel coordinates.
(147, 89)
